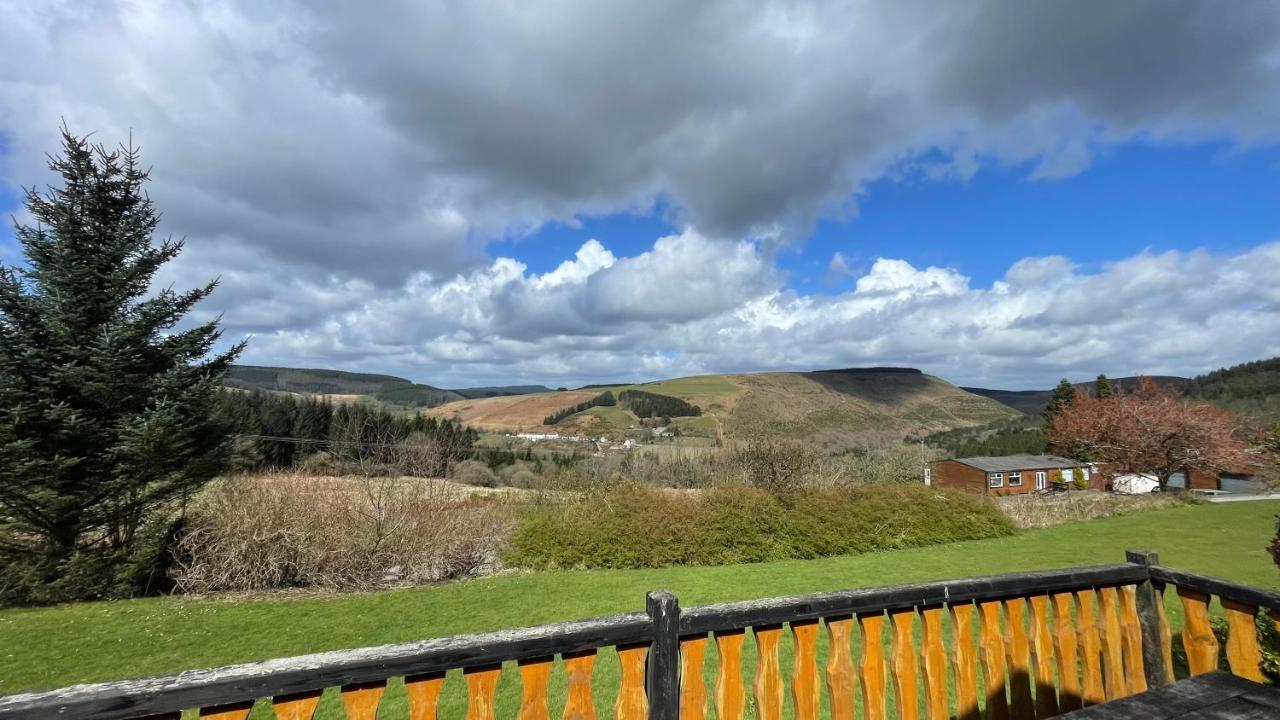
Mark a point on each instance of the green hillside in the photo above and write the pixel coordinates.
(1251, 389)
(387, 389)
(309, 380)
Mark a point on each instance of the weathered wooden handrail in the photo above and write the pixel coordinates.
(1047, 642)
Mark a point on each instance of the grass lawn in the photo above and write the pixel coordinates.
(48, 647)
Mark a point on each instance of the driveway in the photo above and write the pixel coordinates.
(1242, 498)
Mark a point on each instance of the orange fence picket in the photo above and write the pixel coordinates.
(296, 707)
(579, 666)
(993, 660)
(693, 689)
(361, 701)
(482, 685)
(841, 682)
(1131, 633)
(631, 703)
(1090, 647)
(964, 661)
(934, 658)
(424, 693)
(534, 676)
(872, 668)
(906, 663)
(768, 681)
(1019, 658)
(1042, 657)
(1066, 646)
(731, 698)
(1244, 655)
(806, 689)
(1197, 633)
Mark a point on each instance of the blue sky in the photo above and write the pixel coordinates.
(1134, 198)
(1002, 194)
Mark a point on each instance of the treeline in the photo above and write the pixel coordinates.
(1247, 380)
(274, 430)
(1002, 437)
(648, 405)
(604, 399)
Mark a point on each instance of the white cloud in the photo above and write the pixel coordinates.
(1166, 313)
(343, 170)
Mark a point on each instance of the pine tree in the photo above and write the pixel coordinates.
(107, 409)
(1102, 388)
(1063, 395)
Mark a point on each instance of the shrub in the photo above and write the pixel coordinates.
(519, 474)
(777, 466)
(474, 472)
(634, 526)
(275, 531)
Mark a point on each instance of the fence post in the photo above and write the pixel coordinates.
(662, 674)
(1149, 618)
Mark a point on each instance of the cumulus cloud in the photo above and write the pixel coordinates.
(344, 170)
(1173, 312)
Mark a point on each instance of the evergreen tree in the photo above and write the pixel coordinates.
(1063, 396)
(1102, 388)
(107, 411)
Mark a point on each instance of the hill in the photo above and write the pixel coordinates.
(308, 380)
(1251, 389)
(1032, 402)
(831, 407)
(383, 388)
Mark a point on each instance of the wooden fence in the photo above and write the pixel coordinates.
(1024, 645)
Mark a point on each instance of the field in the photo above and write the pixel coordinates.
(47, 647)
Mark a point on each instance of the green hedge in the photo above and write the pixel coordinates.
(638, 527)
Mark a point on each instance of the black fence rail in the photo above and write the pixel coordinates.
(1021, 645)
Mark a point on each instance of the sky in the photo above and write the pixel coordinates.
(488, 193)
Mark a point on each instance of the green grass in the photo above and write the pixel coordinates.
(700, 386)
(48, 647)
(613, 418)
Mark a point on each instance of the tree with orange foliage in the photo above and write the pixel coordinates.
(1150, 430)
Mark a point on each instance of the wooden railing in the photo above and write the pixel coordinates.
(1025, 645)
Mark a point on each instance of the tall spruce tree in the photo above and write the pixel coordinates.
(1102, 388)
(107, 408)
(1062, 396)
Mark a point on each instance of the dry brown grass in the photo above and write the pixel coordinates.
(511, 413)
(256, 532)
(1033, 511)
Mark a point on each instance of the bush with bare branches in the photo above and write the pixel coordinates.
(273, 531)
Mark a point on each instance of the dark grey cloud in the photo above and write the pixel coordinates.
(343, 166)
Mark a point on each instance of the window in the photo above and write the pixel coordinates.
(1015, 479)
(995, 479)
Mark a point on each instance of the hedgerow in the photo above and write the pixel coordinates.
(638, 527)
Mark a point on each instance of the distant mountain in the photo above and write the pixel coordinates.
(833, 408)
(1032, 402)
(308, 380)
(500, 391)
(1027, 402)
(383, 388)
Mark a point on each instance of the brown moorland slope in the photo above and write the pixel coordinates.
(833, 407)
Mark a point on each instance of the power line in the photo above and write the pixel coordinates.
(398, 446)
